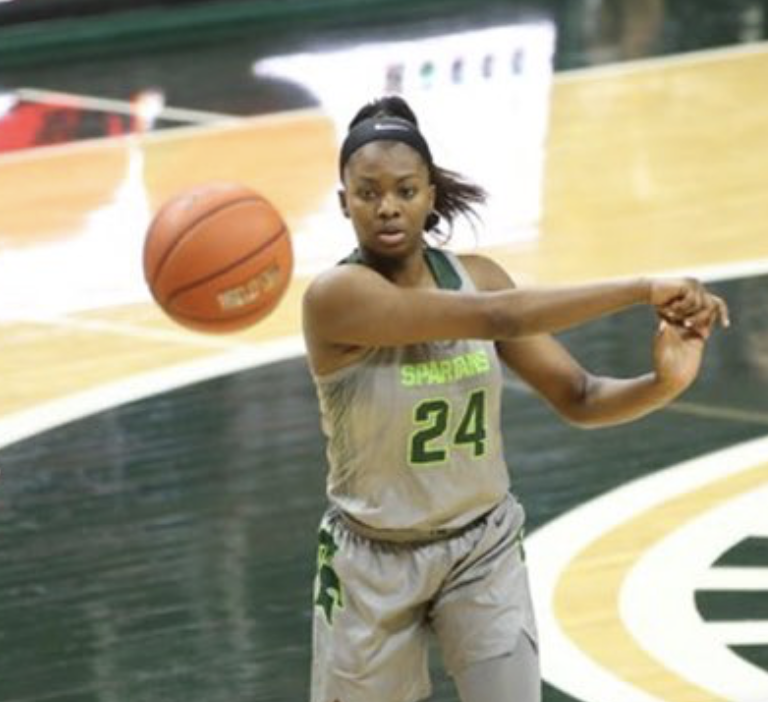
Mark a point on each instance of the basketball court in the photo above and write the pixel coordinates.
(160, 489)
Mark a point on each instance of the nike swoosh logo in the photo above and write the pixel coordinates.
(387, 127)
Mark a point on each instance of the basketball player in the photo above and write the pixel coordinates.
(405, 344)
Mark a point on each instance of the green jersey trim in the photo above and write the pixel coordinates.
(439, 265)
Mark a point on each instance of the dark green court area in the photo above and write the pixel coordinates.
(164, 550)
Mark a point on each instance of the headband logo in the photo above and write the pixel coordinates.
(388, 127)
(392, 129)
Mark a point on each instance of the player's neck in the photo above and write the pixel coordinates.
(409, 271)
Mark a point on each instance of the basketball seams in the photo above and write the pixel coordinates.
(189, 252)
(187, 231)
(283, 231)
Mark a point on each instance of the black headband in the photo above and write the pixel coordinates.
(383, 129)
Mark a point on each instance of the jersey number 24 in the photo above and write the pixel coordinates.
(431, 443)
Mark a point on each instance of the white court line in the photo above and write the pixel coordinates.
(113, 394)
(738, 633)
(711, 273)
(47, 415)
(734, 578)
(552, 547)
(117, 106)
(657, 604)
(225, 342)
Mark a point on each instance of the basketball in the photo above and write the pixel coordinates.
(218, 257)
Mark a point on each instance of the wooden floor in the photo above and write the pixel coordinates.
(654, 166)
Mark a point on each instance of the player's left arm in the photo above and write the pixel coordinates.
(585, 399)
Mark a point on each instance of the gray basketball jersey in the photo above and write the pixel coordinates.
(413, 432)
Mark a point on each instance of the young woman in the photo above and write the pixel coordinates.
(405, 344)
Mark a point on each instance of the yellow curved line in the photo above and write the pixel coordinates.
(586, 600)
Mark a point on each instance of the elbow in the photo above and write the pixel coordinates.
(578, 415)
(576, 406)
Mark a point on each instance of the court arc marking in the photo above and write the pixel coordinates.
(58, 412)
(554, 547)
(664, 619)
(48, 415)
(21, 425)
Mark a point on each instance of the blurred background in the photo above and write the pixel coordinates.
(160, 489)
(199, 54)
(148, 45)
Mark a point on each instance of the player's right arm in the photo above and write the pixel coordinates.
(354, 306)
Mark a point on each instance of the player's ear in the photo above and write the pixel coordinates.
(343, 203)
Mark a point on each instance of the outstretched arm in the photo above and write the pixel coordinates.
(593, 401)
(354, 306)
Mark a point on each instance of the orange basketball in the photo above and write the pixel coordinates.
(218, 257)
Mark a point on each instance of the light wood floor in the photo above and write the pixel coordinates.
(649, 168)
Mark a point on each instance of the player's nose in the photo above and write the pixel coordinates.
(388, 206)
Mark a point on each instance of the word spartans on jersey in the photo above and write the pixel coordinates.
(449, 370)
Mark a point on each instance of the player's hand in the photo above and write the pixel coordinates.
(677, 355)
(686, 302)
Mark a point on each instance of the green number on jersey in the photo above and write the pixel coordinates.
(472, 427)
(435, 414)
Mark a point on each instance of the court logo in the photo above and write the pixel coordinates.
(328, 593)
(685, 585)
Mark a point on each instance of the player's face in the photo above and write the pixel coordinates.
(388, 196)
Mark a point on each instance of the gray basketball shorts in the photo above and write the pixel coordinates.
(376, 604)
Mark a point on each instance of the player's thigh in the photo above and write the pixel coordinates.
(356, 662)
(512, 678)
(370, 639)
(485, 606)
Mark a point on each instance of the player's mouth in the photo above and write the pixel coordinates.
(391, 236)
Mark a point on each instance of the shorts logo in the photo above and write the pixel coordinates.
(328, 595)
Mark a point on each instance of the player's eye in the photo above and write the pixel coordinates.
(366, 194)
